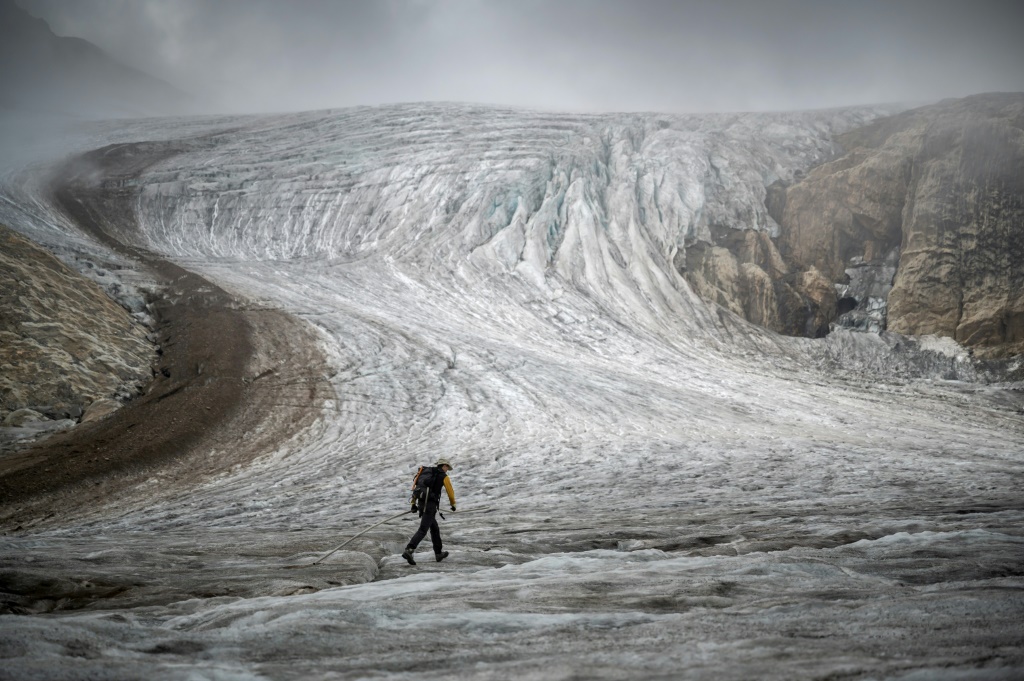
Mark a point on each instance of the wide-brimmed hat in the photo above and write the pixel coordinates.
(445, 462)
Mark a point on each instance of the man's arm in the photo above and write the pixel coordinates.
(450, 491)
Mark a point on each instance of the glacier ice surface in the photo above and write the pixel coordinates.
(676, 494)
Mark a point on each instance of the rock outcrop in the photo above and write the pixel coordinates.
(64, 344)
(918, 229)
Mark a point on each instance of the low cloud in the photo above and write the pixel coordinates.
(583, 55)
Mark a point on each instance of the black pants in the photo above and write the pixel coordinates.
(427, 522)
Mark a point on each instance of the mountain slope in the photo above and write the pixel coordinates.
(918, 227)
(42, 72)
(65, 347)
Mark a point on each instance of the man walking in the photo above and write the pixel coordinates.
(426, 498)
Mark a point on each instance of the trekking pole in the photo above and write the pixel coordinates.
(472, 510)
(358, 534)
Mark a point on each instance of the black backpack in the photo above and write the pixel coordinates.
(427, 486)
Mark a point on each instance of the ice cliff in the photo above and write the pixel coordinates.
(608, 205)
(638, 211)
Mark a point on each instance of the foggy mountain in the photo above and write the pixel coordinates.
(44, 73)
(656, 348)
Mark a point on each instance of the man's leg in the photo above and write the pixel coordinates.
(427, 522)
(435, 536)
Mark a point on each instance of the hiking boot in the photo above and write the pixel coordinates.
(440, 556)
(407, 554)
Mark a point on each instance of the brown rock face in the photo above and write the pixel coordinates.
(919, 228)
(848, 208)
(746, 274)
(961, 270)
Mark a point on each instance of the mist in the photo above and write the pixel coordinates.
(575, 55)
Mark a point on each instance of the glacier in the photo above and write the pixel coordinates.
(663, 490)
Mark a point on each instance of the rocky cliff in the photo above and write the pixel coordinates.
(66, 349)
(917, 228)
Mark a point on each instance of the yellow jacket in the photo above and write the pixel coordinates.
(447, 487)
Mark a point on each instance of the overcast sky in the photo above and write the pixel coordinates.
(579, 55)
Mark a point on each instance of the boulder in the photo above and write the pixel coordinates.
(99, 409)
(22, 417)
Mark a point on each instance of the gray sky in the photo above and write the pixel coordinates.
(579, 55)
